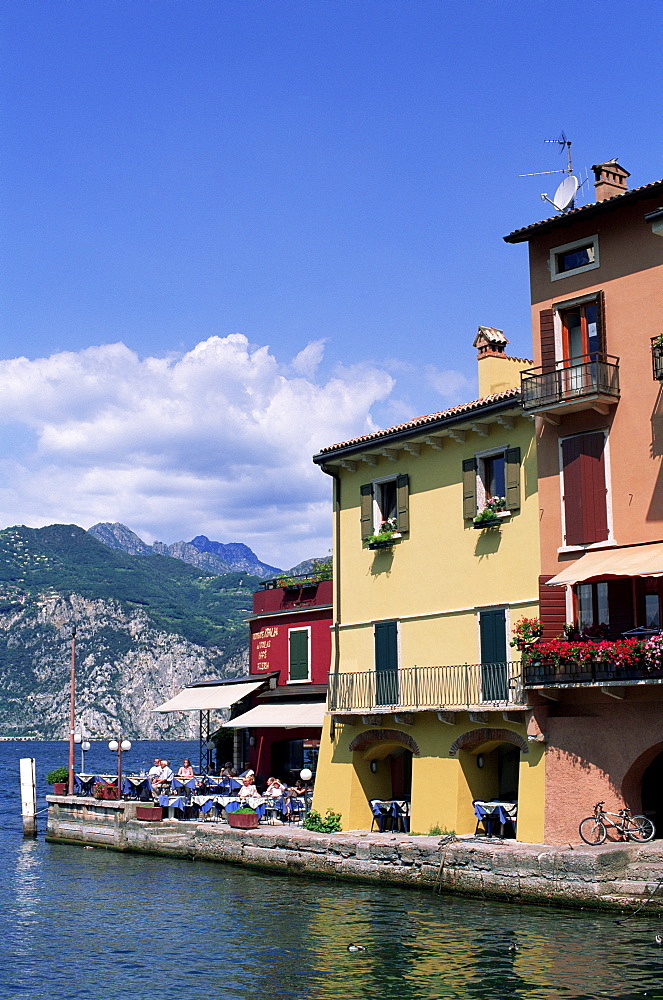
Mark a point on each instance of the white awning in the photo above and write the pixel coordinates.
(282, 715)
(208, 696)
(602, 564)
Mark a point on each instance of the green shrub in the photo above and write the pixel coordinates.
(436, 831)
(245, 811)
(330, 824)
(58, 774)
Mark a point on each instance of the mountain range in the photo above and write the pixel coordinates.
(214, 557)
(146, 625)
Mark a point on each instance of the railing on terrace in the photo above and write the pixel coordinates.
(288, 581)
(571, 379)
(539, 673)
(459, 686)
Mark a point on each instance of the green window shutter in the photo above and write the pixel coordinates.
(298, 655)
(366, 511)
(469, 487)
(512, 478)
(403, 501)
(386, 645)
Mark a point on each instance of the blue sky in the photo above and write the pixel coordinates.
(291, 216)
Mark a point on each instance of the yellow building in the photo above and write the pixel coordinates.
(425, 702)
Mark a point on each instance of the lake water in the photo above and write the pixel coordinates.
(93, 924)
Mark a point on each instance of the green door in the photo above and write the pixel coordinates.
(386, 663)
(494, 670)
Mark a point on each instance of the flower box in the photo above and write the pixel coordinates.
(149, 814)
(243, 821)
(110, 793)
(60, 788)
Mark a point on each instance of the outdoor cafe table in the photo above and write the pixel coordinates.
(490, 811)
(396, 809)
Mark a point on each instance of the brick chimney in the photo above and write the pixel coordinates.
(610, 179)
(497, 371)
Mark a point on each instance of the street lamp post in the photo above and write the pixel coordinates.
(82, 741)
(117, 746)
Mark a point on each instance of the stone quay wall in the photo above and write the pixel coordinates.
(613, 876)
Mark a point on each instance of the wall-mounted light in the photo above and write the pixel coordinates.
(374, 766)
(480, 760)
(252, 741)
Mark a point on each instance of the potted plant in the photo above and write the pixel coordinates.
(386, 534)
(243, 819)
(526, 632)
(59, 778)
(493, 511)
(103, 791)
(149, 814)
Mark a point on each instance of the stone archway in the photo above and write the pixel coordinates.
(371, 738)
(479, 737)
(641, 785)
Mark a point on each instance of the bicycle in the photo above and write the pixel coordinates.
(594, 829)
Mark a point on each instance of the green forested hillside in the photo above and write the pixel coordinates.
(64, 558)
(146, 625)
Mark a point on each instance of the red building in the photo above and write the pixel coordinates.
(290, 649)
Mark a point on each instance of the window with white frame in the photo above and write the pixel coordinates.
(574, 258)
(385, 502)
(299, 654)
(489, 475)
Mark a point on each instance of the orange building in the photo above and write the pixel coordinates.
(596, 276)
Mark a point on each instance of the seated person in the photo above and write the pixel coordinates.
(154, 771)
(161, 783)
(248, 789)
(186, 770)
(275, 788)
(228, 771)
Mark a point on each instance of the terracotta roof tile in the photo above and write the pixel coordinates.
(430, 418)
(519, 235)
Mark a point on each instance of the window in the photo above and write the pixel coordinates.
(572, 330)
(384, 499)
(496, 474)
(584, 492)
(580, 330)
(593, 608)
(574, 258)
(299, 641)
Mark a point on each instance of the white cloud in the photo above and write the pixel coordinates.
(218, 441)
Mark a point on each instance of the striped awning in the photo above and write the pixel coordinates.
(604, 564)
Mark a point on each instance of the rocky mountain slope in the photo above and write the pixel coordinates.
(213, 557)
(146, 625)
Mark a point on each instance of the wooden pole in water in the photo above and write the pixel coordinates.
(28, 796)
(72, 711)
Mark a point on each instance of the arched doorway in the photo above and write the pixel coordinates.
(490, 760)
(652, 794)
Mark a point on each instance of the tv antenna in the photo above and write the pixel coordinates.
(563, 199)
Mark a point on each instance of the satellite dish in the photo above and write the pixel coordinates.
(565, 193)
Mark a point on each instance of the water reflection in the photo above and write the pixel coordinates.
(89, 923)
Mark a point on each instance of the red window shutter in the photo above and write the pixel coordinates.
(547, 328)
(552, 609)
(585, 508)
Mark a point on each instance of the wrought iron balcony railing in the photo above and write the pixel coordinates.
(572, 380)
(538, 673)
(459, 686)
(657, 358)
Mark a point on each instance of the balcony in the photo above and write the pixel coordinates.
(589, 673)
(657, 358)
(587, 382)
(460, 687)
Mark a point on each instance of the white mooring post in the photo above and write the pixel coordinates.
(28, 796)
